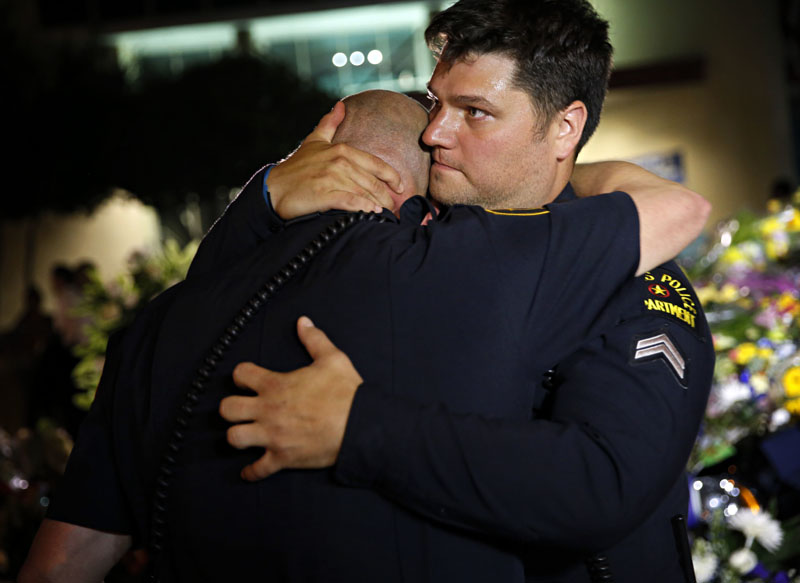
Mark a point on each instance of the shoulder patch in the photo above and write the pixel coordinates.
(668, 292)
(518, 212)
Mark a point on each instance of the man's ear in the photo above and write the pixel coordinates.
(570, 122)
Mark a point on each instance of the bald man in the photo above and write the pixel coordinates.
(387, 125)
(152, 465)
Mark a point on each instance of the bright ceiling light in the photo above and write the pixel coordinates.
(357, 58)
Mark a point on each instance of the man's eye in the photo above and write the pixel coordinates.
(475, 112)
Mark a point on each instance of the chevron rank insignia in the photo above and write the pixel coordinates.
(661, 347)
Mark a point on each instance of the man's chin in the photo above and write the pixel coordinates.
(442, 197)
(448, 195)
(444, 191)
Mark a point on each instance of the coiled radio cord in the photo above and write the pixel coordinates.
(169, 460)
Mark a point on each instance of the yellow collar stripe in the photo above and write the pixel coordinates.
(518, 212)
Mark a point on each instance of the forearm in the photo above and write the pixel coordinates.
(618, 439)
(67, 553)
(671, 216)
(507, 479)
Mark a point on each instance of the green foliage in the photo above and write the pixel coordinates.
(113, 306)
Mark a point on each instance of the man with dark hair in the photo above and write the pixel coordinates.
(594, 487)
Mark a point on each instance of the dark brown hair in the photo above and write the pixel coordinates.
(560, 47)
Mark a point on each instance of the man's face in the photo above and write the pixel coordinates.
(487, 147)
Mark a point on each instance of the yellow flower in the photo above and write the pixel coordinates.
(744, 353)
(791, 382)
(733, 255)
(793, 224)
(788, 303)
(765, 353)
(776, 334)
(728, 293)
(706, 294)
(770, 225)
(793, 406)
(776, 248)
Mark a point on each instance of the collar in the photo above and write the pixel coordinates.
(415, 209)
(567, 194)
(564, 196)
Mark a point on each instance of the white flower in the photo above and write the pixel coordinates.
(730, 393)
(705, 566)
(760, 526)
(779, 417)
(744, 560)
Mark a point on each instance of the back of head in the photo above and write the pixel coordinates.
(560, 47)
(388, 125)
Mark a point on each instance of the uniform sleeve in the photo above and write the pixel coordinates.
(544, 274)
(108, 480)
(594, 248)
(247, 222)
(620, 430)
(90, 493)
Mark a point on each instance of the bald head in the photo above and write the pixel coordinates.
(389, 125)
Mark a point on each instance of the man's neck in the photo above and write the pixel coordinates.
(561, 180)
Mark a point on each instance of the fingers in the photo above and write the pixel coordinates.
(347, 201)
(247, 435)
(377, 170)
(315, 340)
(236, 409)
(329, 362)
(370, 171)
(326, 128)
(251, 376)
(370, 187)
(262, 468)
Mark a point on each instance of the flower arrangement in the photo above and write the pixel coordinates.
(748, 545)
(111, 306)
(748, 282)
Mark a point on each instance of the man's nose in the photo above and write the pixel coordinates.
(439, 132)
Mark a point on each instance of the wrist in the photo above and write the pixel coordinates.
(273, 218)
(271, 188)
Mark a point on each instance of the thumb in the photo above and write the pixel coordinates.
(326, 128)
(262, 468)
(315, 340)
